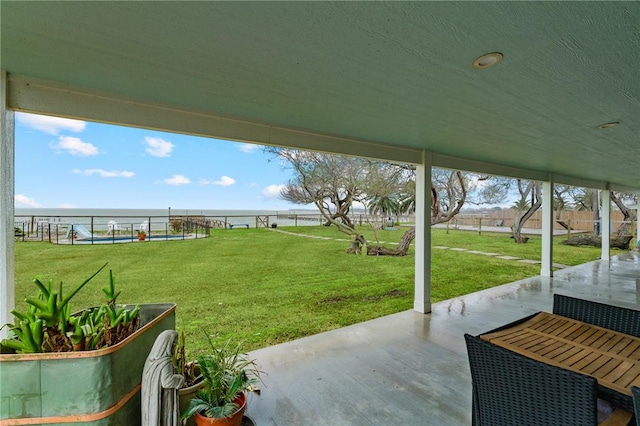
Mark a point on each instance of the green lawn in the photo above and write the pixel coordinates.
(265, 287)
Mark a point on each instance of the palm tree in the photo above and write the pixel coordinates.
(407, 203)
(583, 199)
(521, 205)
(385, 205)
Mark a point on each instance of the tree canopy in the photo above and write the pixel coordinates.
(335, 183)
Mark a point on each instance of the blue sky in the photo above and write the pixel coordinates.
(78, 164)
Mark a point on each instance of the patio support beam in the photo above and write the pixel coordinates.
(606, 224)
(422, 293)
(7, 188)
(37, 96)
(547, 228)
(44, 97)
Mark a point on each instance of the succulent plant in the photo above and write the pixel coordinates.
(49, 326)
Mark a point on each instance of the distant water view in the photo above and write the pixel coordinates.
(148, 212)
(161, 216)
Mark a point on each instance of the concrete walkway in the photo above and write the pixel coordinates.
(502, 229)
(498, 256)
(458, 249)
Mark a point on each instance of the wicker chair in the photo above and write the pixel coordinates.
(510, 389)
(614, 318)
(635, 391)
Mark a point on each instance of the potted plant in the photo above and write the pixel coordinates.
(142, 235)
(193, 381)
(227, 375)
(51, 352)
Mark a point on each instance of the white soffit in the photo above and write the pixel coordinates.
(383, 79)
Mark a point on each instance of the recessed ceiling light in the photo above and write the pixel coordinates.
(608, 125)
(487, 61)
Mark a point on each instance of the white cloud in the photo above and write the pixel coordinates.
(74, 146)
(158, 147)
(223, 181)
(248, 147)
(66, 206)
(50, 125)
(22, 200)
(177, 180)
(104, 173)
(272, 191)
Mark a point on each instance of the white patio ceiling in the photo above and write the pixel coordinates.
(382, 79)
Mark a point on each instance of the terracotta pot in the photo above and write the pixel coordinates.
(141, 237)
(186, 394)
(234, 420)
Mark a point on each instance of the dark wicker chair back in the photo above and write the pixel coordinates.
(615, 318)
(635, 391)
(510, 389)
(623, 320)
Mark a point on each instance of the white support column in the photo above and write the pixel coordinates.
(547, 229)
(422, 301)
(606, 223)
(637, 224)
(7, 188)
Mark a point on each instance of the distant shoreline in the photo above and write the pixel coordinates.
(43, 211)
(30, 217)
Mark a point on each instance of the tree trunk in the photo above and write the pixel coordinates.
(357, 241)
(516, 229)
(564, 224)
(438, 216)
(532, 189)
(624, 229)
(620, 242)
(517, 235)
(401, 250)
(629, 215)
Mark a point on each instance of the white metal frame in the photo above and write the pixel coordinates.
(7, 188)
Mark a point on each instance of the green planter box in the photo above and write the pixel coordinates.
(82, 388)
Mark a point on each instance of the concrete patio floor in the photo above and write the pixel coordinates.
(409, 368)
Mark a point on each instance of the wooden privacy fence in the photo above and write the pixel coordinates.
(579, 221)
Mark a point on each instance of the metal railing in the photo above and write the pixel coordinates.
(116, 229)
(108, 229)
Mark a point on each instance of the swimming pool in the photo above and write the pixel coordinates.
(120, 239)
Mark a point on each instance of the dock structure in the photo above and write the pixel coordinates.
(191, 222)
(262, 221)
